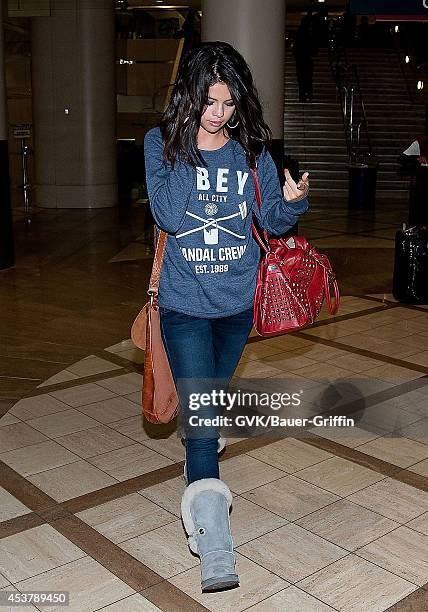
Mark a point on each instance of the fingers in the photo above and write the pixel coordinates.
(289, 194)
(288, 179)
(293, 191)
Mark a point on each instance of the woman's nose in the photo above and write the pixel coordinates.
(219, 111)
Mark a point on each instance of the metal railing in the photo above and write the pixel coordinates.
(352, 105)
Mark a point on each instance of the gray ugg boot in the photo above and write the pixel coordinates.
(221, 446)
(205, 512)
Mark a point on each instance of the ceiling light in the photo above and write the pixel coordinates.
(420, 85)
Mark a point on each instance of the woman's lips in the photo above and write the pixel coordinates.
(216, 123)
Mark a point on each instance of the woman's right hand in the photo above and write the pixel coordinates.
(294, 192)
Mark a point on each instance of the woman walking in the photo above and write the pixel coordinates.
(202, 193)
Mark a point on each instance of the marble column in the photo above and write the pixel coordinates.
(257, 30)
(6, 226)
(74, 105)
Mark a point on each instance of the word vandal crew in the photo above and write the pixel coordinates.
(210, 263)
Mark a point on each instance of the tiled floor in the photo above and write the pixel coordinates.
(325, 519)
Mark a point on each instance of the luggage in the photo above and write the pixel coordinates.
(410, 282)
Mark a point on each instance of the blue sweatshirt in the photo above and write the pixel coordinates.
(211, 257)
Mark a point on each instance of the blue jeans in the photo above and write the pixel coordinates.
(206, 349)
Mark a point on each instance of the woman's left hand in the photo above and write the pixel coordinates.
(294, 192)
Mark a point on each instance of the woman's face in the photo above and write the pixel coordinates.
(219, 108)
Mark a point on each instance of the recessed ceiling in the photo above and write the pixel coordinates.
(292, 5)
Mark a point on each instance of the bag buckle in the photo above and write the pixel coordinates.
(151, 293)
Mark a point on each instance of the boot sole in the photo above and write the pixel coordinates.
(216, 584)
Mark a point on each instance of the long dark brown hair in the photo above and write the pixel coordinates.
(207, 64)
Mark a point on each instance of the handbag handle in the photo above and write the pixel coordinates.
(157, 266)
(332, 309)
(256, 235)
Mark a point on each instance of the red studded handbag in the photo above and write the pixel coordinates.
(293, 280)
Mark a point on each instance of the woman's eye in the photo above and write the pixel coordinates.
(230, 104)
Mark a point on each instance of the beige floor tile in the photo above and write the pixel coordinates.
(290, 497)
(166, 494)
(243, 473)
(417, 342)
(289, 361)
(35, 551)
(38, 458)
(134, 603)
(10, 507)
(164, 550)
(19, 435)
(255, 585)
(413, 401)
(256, 369)
(4, 582)
(249, 521)
(120, 346)
(132, 427)
(321, 352)
(419, 358)
(91, 585)
(396, 450)
(80, 395)
(399, 350)
(171, 447)
(291, 552)
(289, 455)
(91, 365)
(8, 419)
(129, 461)
(417, 431)
(14, 608)
(383, 347)
(419, 468)
(134, 355)
(63, 376)
(113, 409)
(339, 329)
(386, 416)
(340, 476)
(403, 552)
(121, 385)
(355, 363)
(394, 373)
(126, 517)
(353, 584)
(40, 405)
(287, 342)
(420, 523)
(293, 380)
(324, 372)
(62, 423)
(348, 436)
(393, 499)
(291, 599)
(336, 523)
(257, 350)
(135, 397)
(71, 480)
(94, 441)
(392, 332)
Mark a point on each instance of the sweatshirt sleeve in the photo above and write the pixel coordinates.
(276, 215)
(168, 189)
